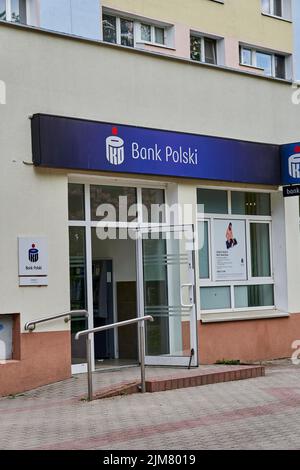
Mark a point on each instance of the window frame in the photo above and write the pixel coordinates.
(286, 7)
(137, 30)
(204, 37)
(251, 281)
(153, 28)
(8, 12)
(273, 56)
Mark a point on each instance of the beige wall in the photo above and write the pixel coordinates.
(239, 19)
(52, 74)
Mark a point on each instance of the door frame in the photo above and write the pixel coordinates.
(162, 360)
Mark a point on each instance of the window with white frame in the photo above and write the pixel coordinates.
(13, 11)
(273, 65)
(129, 31)
(152, 34)
(203, 49)
(279, 8)
(235, 256)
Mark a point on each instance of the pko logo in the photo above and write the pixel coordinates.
(294, 164)
(33, 254)
(115, 148)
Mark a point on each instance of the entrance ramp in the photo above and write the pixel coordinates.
(164, 379)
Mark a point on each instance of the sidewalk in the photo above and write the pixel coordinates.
(261, 413)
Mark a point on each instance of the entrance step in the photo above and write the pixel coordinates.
(184, 379)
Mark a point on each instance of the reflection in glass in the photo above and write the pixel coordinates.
(254, 296)
(264, 61)
(196, 48)
(76, 201)
(2, 10)
(156, 295)
(146, 32)
(127, 33)
(215, 202)
(159, 35)
(153, 201)
(246, 56)
(215, 298)
(109, 29)
(260, 250)
(111, 195)
(244, 203)
(78, 291)
(204, 251)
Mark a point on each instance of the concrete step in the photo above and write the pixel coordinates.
(183, 379)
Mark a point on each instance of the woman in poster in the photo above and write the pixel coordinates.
(230, 240)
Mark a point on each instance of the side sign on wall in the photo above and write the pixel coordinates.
(290, 164)
(33, 261)
(229, 255)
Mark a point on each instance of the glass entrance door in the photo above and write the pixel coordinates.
(166, 291)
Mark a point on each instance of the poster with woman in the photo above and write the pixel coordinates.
(229, 250)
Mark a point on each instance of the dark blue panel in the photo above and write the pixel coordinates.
(87, 145)
(290, 163)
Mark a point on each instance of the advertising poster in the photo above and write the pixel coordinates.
(229, 255)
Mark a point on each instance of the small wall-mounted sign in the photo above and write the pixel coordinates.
(33, 261)
(291, 191)
(33, 281)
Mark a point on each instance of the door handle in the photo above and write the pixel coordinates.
(184, 286)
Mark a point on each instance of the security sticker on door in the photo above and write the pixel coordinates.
(33, 256)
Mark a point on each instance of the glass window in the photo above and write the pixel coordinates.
(254, 296)
(109, 29)
(196, 48)
(210, 51)
(153, 202)
(77, 268)
(146, 32)
(159, 35)
(204, 250)
(260, 249)
(113, 209)
(264, 61)
(215, 298)
(266, 6)
(280, 66)
(214, 201)
(2, 10)
(76, 202)
(127, 34)
(246, 56)
(250, 203)
(277, 7)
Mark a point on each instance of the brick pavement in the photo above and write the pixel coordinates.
(262, 413)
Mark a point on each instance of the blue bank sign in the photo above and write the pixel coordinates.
(60, 142)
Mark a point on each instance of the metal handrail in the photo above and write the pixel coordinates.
(141, 322)
(30, 326)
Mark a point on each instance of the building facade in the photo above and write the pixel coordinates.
(76, 17)
(254, 36)
(80, 137)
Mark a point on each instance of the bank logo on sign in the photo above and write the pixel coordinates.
(294, 164)
(115, 153)
(33, 254)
